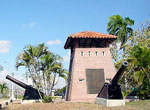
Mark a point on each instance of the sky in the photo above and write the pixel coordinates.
(24, 22)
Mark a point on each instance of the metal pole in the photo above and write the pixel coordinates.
(12, 86)
(12, 92)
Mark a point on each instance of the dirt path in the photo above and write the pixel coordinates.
(76, 106)
(55, 106)
(3, 101)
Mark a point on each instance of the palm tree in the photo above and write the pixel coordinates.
(43, 66)
(30, 55)
(120, 27)
(3, 88)
(52, 69)
(30, 59)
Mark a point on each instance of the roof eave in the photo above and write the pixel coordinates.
(66, 46)
(67, 43)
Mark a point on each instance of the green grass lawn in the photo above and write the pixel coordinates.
(140, 105)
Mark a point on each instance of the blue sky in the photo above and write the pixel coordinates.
(24, 22)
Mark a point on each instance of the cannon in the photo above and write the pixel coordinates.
(30, 92)
(112, 90)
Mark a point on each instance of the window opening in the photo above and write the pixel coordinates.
(82, 54)
(103, 53)
(96, 53)
(89, 53)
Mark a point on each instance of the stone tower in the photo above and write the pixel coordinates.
(90, 65)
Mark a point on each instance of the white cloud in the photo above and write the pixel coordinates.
(53, 42)
(30, 25)
(4, 46)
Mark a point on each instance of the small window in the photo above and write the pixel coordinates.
(82, 54)
(96, 53)
(103, 53)
(89, 53)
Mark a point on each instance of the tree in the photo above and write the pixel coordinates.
(3, 88)
(120, 27)
(30, 58)
(138, 55)
(60, 92)
(52, 69)
(44, 67)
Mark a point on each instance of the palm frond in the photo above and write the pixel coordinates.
(129, 21)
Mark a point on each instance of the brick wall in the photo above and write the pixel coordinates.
(100, 60)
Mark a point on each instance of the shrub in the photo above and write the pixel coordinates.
(47, 99)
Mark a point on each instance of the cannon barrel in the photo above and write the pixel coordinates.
(30, 92)
(119, 73)
(23, 85)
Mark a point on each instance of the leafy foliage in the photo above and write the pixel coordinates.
(120, 27)
(47, 99)
(135, 48)
(138, 54)
(60, 92)
(3, 89)
(43, 66)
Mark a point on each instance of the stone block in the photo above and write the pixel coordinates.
(31, 101)
(110, 102)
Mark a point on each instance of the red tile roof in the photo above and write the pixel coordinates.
(87, 34)
(91, 34)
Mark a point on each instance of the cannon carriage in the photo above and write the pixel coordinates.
(112, 90)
